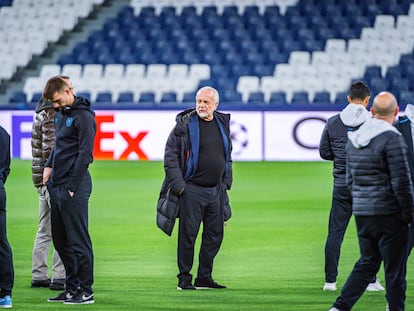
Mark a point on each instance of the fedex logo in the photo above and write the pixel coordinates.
(120, 135)
(132, 142)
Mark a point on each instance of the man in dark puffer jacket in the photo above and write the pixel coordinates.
(332, 147)
(383, 204)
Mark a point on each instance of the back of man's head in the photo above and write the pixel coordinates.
(359, 92)
(385, 107)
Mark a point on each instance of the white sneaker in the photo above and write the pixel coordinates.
(375, 286)
(387, 307)
(329, 286)
(333, 309)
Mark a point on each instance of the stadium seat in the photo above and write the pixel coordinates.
(18, 97)
(277, 98)
(246, 85)
(255, 98)
(73, 71)
(299, 98)
(92, 71)
(321, 98)
(103, 97)
(147, 97)
(168, 97)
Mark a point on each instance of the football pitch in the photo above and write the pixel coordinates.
(272, 257)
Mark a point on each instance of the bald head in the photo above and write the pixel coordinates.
(385, 107)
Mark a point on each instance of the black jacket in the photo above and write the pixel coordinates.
(377, 171)
(4, 155)
(177, 162)
(334, 138)
(75, 129)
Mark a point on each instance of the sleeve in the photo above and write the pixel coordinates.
(325, 150)
(4, 154)
(396, 155)
(172, 163)
(86, 129)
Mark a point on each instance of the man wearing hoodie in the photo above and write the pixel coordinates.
(332, 147)
(383, 204)
(42, 142)
(69, 183)
(405, 124)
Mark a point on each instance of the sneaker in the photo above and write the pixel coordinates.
(57, 284)
(207, 284)
(81, 298)
(387, 307)
(41, 283)
(62, 297)
(375, 286)
(333, 309)
(5, 302)
(185, 285)
(330, 286)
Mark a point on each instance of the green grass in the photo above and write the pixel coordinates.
(271, 257)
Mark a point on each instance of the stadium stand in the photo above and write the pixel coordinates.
(279, 53)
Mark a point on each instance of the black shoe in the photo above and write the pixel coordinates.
(57, 284)
(185, 285)
(41, 283)
(62, 297)
(207, 284)
(81, 298)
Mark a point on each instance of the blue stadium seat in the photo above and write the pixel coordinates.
(255, 98)
(341, 98)
(18, 97)
(321, 98)
(189, 97)
(103, 97)
(36, 98)
(147, 97)
(277, 98)
(300, 98)
(168, 97)
(86, 95)
(125, 97)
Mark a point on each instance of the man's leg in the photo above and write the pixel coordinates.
(341, 212)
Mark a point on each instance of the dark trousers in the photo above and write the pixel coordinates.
(380, 238)
(341, 212)
(6, 259)
(69, 219)
(199, 204)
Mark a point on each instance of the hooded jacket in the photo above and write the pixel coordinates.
(377, 171)
(43, 139)
(334, 138)
(75, 129)
(180, 162)
(405, 124)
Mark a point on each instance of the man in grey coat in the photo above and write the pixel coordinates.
(379, 179)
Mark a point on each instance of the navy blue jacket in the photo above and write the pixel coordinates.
(75, 129)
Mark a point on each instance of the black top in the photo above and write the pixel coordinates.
(211, 161)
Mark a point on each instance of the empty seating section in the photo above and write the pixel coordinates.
(27, 26)
(270, 52)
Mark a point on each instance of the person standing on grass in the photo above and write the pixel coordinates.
(198, 170)
(6, 257)
(383, 204)
(405, 124)
(332, 147)
(67, 178)
(42, 142)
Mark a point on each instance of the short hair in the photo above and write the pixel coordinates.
(359, 90)
(216, 96)
(53, 85)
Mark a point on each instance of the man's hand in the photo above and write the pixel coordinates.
(47, 172)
